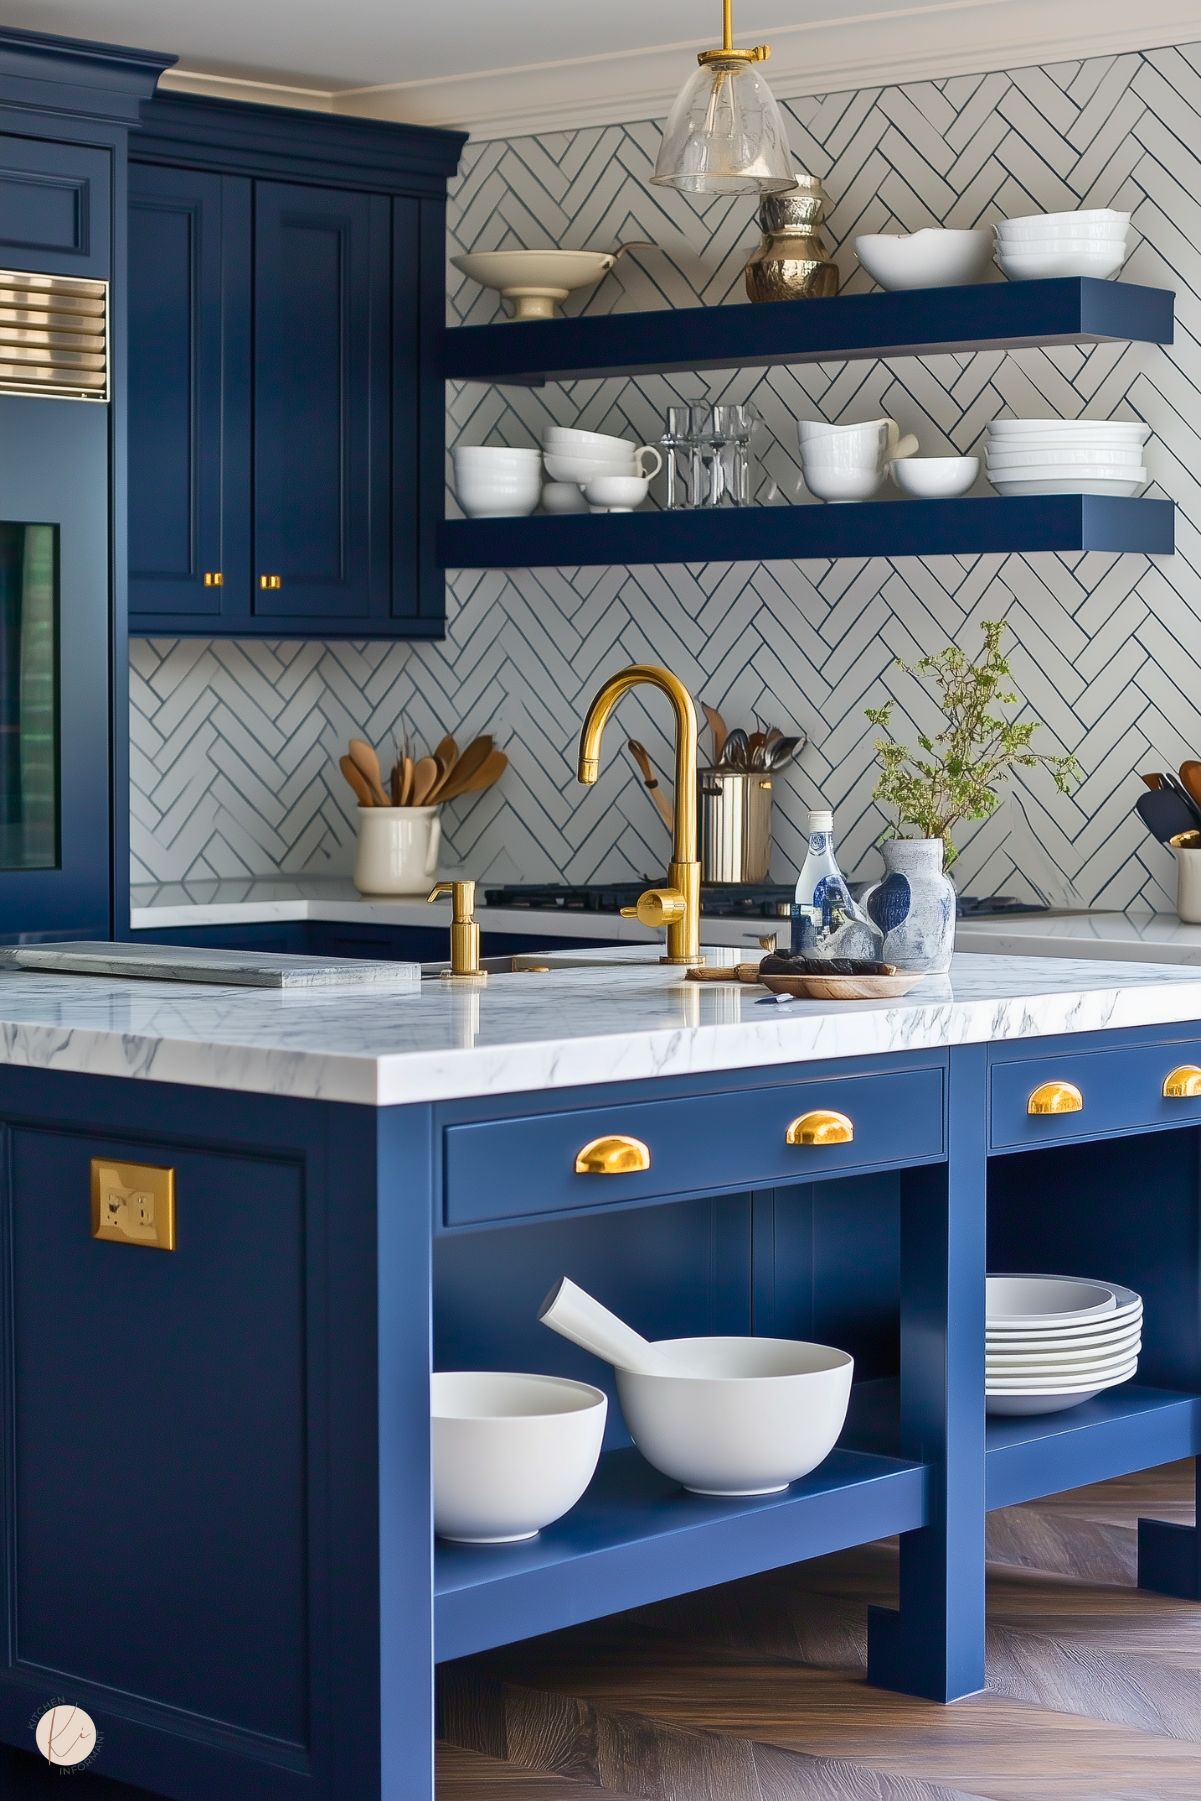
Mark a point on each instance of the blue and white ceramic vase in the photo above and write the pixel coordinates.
(914, 906)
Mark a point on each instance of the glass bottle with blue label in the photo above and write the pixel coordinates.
(826, 921)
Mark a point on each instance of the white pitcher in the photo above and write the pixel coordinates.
(398, 849)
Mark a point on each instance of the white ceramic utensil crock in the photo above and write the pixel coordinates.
(398, 849)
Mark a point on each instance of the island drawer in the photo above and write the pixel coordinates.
(774, 1132)
(1069, 1095)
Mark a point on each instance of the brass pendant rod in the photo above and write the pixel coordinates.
(727, 28)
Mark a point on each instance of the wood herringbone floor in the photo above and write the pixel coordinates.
(755, 1691)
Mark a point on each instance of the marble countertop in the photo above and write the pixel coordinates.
(602, 1016)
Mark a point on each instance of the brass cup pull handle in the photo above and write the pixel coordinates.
(213, 578)
(1055, 1097)
(613, 1156)
(271, 581)
(1184, 1084)
(820, 1128)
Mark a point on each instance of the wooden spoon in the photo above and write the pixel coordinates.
(446, 753)
(365, 759)
(651, 781)
(1190, 780)
(425, 779)
(465, 768)
(405, 784)
(358, 782)
(489, 771)
(717, 726)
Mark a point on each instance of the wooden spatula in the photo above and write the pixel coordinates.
(358, 781)
(489, 771)
(717, 726)
(425, 780)
(446, 753)
(367, 763)
(471, 760)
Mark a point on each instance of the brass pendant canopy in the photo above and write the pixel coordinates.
(725, 134)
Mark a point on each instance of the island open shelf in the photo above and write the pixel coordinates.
(885, 528)
(637, 1537)
(925, 322)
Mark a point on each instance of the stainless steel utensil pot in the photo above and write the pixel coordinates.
(735, 815)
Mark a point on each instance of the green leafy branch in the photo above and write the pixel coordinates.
(953, 774)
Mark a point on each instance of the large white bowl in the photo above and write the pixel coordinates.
(511, 1452)
(499, 456)
(493, 497)
(1118, 428)
(1116, 487)
(1046, 1300)
(935, 478)
(1079, 455)
(584, 443)
(934, 258)
(535, 279)
(1051, 265)
(764, 1412)
(584, 469)
(1102, 219)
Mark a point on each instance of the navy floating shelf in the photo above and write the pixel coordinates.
(924, 322)
(636, 1537)
(881, 528)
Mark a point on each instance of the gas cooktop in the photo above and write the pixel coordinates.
(759, 900)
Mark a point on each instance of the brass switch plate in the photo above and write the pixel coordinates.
(133, 1203)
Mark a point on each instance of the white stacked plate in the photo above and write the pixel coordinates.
(1053, 1342)
(1053, 244)
(1067, 456)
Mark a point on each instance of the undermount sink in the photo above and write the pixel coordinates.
(550, 962)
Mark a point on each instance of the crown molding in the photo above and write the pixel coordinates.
(915, 42)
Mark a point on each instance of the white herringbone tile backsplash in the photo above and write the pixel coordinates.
(233, 743)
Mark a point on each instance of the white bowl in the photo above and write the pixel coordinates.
(585, 443)
(563, 497)
(935, 478)
(1064, 1382)
(535, 279)
(583, 469)
(1078, 455)
(1133, 429)
(934, 258)
(765, 1412)
(488, 497)
(1049, 1300)
(617, 493)
(511, 1452)
(1116, 487)
(1051, 265)
(1086, 221)
(827, 482)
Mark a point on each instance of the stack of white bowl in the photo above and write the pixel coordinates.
(1053, 1342)
(1067, 456)
(493, 481)
(1050, 244)
(613, 473)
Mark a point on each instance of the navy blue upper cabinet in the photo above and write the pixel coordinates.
(189, 401)
(54, 207)
(286, 408)
(322, 483)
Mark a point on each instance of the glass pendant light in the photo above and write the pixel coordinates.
(725, 134)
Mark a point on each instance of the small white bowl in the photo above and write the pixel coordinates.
(487, 497)
(934, 258)
(498, 455)
(764, 1412)
(1083, 223)
(582, 469)
(833, 484)
(511, 1452)
(617, 493)
(935, 478)
(563, 497)
(1054, 265)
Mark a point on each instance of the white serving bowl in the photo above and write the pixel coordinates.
(582, 469)
(1133, 429)
(935, 478)
(495, 497)
(617, 493)
(585, 443)
(511, 1452)
(765, 1412)
(495, 456)
(533, 280)
(1083, 223)
(1047, 1300)
(1079, 455)
(933, 258)
(1115, 486)
(829, 483)
(1051, 265)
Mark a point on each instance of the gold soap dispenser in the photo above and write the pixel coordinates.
(464, 929)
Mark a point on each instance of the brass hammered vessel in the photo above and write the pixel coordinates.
(793, 261)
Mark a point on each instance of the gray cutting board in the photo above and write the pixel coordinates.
(226, 968)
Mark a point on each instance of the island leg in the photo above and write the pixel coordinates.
(1169, 1554)
(933, 1645)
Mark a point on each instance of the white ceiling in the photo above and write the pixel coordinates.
(361, 43)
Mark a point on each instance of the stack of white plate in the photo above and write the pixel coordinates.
(1067, 456)
(1050, 244)
(1054, 1342)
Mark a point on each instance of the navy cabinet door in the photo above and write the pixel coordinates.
(322, 374)
(189, 397)
(55, 203)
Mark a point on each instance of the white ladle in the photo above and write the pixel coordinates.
(574, 1314)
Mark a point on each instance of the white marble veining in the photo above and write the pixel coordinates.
(609, 1017)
